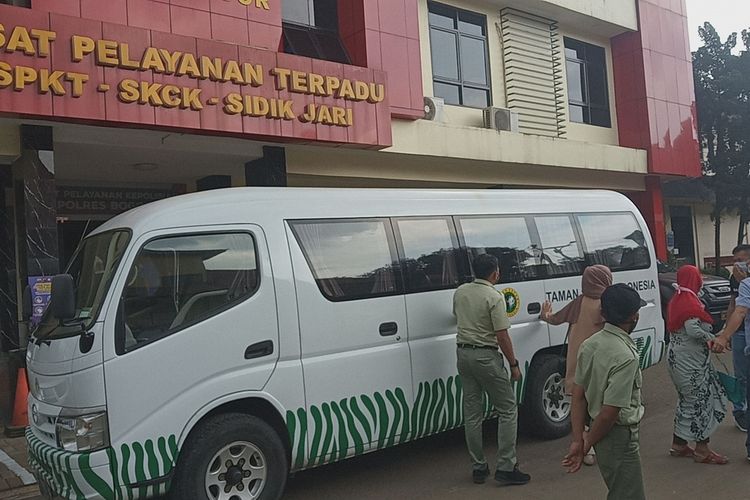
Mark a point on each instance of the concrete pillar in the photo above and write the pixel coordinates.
(36, 212)
(268, 171)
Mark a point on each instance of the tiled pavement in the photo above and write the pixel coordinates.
(12, 456)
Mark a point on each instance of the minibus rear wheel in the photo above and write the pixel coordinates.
(232, 455)
(546, 409)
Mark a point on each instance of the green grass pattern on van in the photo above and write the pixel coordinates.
(349, 427)
(134, 463)
(643, 344)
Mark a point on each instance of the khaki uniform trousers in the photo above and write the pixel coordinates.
(481, 371)
(619, 459)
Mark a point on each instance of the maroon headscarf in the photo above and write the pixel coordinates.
(595, 280)
(685, 304)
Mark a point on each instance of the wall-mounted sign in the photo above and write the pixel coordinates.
(41, 291)
(107, 201)
(228, 88)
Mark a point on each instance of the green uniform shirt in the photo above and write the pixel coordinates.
(480, 311)
(609, 371)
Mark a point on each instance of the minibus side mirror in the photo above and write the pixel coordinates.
(63, 300)
(27, 309)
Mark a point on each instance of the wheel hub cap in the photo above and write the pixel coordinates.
(556, 403)
(236, 472)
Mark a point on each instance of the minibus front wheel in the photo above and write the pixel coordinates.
(546, 409)
(231, 455)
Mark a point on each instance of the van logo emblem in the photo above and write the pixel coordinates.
(35, 414)
(512, 301)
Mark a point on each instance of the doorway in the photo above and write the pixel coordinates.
(70, 233)
(684, 235)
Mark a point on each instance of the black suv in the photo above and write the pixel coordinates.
(715, 294)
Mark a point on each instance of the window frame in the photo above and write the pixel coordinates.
(313, 32)
(579, 228)
(120, 349)
(586, 103)
(457, 33)
(530, 227)
(390, 236)
(462, 265)
(579, 241)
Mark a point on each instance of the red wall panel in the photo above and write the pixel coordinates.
(371, 31)
(654, 89)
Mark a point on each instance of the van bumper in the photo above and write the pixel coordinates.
(69, 475)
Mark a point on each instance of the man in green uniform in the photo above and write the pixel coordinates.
(608, 392)
(482, 328)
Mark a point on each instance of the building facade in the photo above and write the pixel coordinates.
(105, 105)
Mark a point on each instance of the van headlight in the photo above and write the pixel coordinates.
(82, 432)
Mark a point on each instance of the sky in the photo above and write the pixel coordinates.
(726, 16)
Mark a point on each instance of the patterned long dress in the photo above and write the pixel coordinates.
(702, 402)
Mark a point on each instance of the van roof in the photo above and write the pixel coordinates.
(258, 205)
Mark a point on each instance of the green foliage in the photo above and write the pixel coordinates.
(722, 90)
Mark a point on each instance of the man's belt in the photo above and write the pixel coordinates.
(472, 346)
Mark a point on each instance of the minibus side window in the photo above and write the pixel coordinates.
(430, 253)
(350, 259)
(508, 239)
(178, 281)
(614, 240)
(561, 250)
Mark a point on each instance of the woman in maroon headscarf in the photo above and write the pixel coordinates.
(584, 318)
(702, 400)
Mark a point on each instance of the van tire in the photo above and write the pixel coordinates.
(211, 437)
(535, 420)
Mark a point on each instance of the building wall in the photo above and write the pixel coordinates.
(704, 228)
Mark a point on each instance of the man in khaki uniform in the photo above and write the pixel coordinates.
(608, 392)
(482, 328)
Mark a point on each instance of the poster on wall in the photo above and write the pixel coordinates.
(41, 291)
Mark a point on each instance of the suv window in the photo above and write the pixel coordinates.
(561, 251)
(178, 281)
(350, 259)
(614, 240)
(430, 252)
(508, 239)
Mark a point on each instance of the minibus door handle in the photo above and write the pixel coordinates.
(534, 308)
(389, 329)
(259, 350)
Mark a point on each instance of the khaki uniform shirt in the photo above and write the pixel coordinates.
(609, 371)
(480, 311)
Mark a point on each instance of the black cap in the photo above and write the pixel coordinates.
(620, 302)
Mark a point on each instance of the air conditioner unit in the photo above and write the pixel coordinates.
(501, 119)
(434, 109)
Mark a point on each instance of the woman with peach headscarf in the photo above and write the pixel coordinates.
(702, 403)
(584, 319)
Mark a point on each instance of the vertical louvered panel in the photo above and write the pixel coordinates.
(534, 72)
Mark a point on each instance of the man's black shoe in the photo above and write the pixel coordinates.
(741, 420)
(516, 477)
(480, 475)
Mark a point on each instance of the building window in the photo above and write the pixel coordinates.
(460, 63)
(588, 91)
(311, 30)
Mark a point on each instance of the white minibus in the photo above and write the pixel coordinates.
(208, 345)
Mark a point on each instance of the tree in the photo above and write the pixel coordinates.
(722, 90)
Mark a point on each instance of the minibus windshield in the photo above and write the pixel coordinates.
(92, 267)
